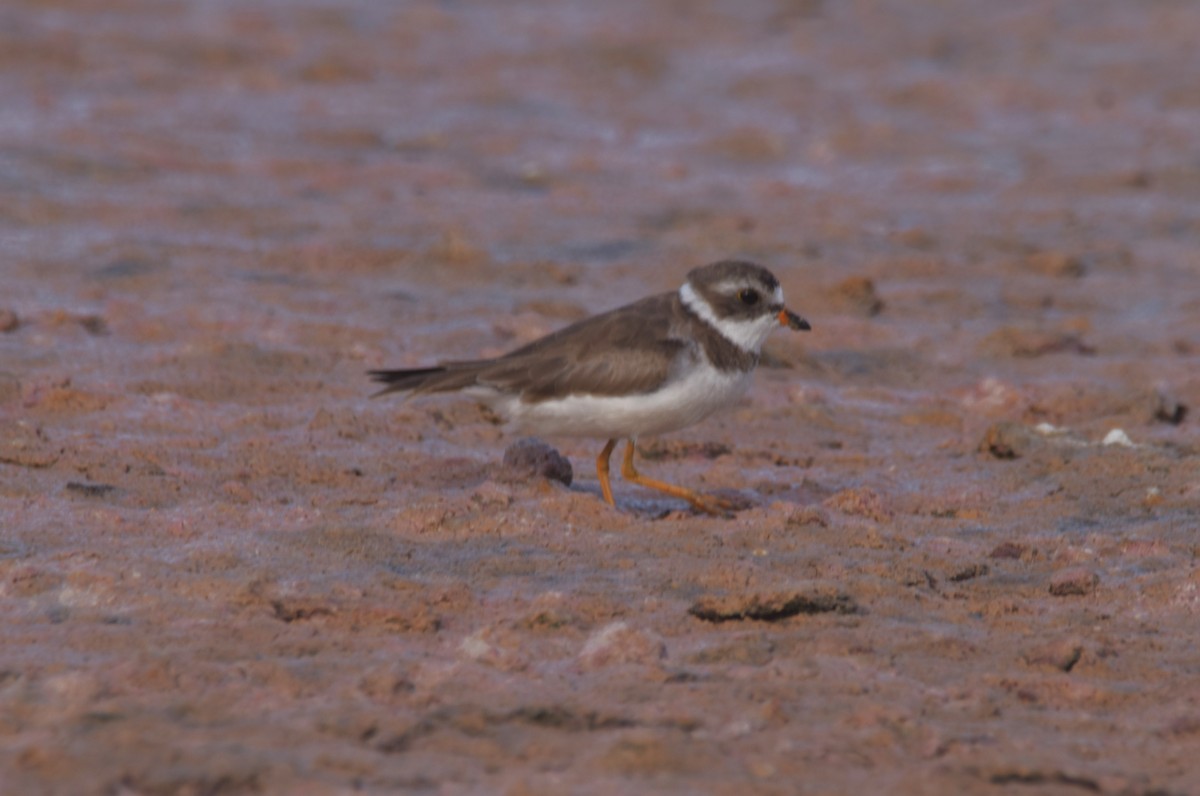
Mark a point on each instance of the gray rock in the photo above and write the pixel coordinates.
(530, 458)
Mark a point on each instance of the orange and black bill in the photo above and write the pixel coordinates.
(793, 321)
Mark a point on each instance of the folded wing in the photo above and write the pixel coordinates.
(628, 350)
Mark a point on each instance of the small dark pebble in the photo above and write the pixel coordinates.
(1008, 550)
(772, 607)
(1167, 409)
(857, 295)
(531, 458)
(1073, 581)
(1025, 776)
(8, 321)
(969, 572)
(90, 490)
(94, 325)
(1005, 440)
(1061, 655)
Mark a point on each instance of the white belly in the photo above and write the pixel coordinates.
(680, 403)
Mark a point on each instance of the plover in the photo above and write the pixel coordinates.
(653, 366)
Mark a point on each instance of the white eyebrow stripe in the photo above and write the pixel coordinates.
(731, 285)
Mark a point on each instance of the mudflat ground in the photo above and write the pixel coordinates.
(969, 558)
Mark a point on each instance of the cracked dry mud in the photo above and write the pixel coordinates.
(224, 569)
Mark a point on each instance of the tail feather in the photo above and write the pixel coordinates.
(402, 380)
(437, 379)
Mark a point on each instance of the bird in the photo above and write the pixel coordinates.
(657, 365)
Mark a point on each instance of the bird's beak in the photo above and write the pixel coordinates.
(793, 321)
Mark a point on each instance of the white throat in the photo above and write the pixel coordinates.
(746, 335)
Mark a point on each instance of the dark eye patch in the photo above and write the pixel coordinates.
(748, 296)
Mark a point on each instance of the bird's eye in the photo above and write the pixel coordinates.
(748, 297)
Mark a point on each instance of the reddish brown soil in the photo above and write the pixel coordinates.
(223, 569)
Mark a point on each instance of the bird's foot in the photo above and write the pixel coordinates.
(712, 505)
(718, 506)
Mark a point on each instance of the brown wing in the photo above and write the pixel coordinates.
(626, 350)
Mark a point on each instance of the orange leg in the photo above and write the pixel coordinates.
(602, 471)
(709, 505)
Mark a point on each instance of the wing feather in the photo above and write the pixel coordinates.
(626, 350)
